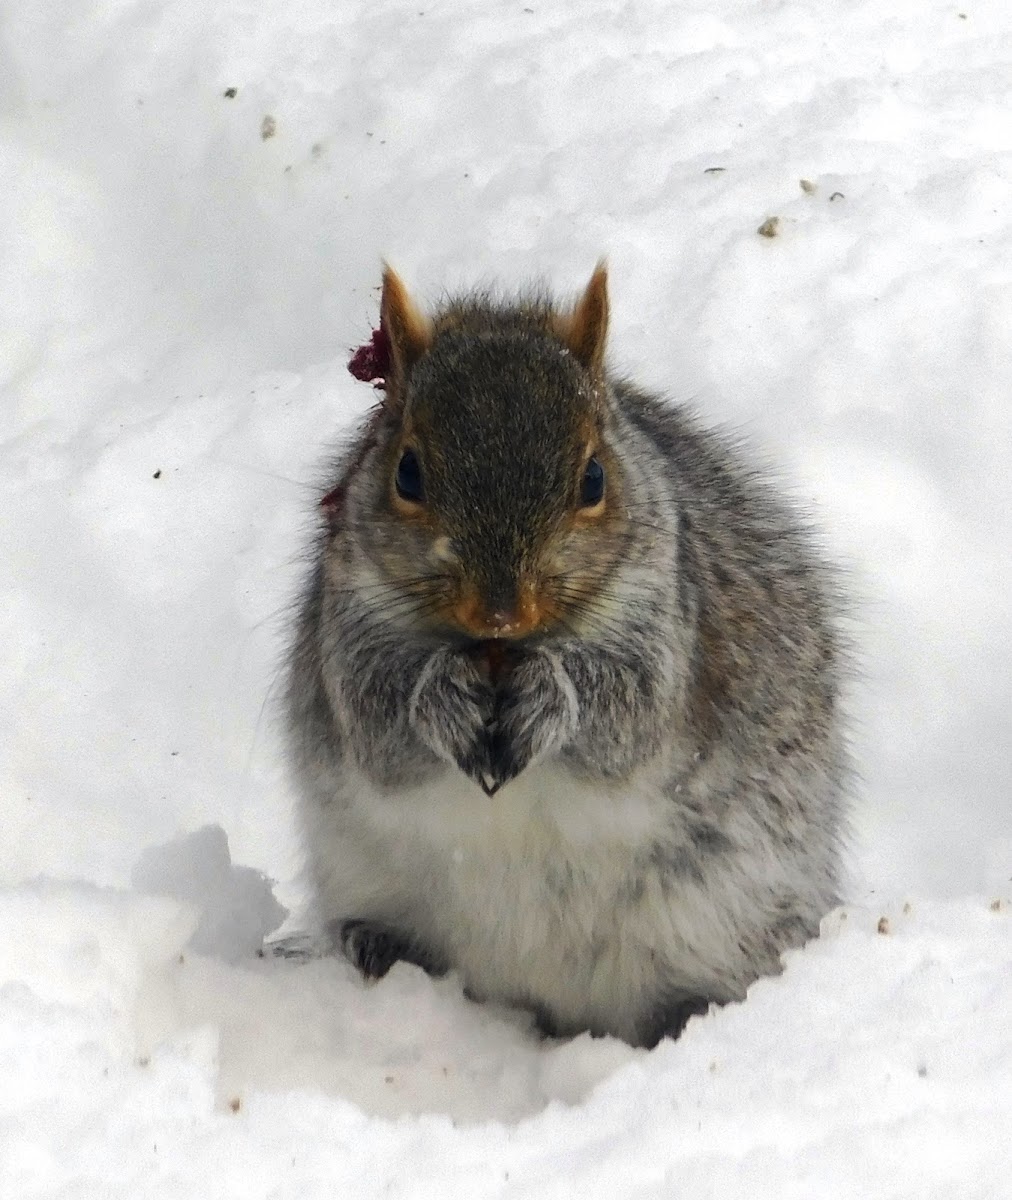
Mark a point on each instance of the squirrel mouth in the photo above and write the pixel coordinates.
(496, 657)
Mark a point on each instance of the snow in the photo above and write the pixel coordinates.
(133, 1066)
(180, 295)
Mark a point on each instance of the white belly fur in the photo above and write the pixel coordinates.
(541, 895)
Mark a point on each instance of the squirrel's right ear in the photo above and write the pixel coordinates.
(407, 328)
(585, 329)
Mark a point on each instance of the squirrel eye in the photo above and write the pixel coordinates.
(408, 479)
(592, 489)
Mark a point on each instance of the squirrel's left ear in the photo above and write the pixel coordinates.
(408, 331)
(585, 329)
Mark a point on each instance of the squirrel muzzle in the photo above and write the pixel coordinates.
(503, 613)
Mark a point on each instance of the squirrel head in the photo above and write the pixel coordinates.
(495, 494)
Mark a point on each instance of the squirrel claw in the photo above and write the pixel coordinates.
(505, 764)
(372, 948)
(477, 763)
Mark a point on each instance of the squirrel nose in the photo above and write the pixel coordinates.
(499, 615)
(501, 606)
(501, 619)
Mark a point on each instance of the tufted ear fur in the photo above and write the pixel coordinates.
(585, 329)
(407, 328)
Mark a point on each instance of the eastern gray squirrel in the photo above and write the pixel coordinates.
(563, 702)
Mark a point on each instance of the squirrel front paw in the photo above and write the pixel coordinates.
(536, 713)
(451, 711)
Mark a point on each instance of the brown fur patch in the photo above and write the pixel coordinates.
(471, 612)
(585, 329)
(714, 681)
(409, 331)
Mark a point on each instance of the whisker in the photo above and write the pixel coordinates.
(658, 528)
(299, 484)
(288, 610)
(396, 603)
(406, 581)
(406, 604)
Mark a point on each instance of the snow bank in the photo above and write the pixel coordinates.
(132, 1065)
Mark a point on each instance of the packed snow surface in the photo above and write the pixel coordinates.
(196, 202)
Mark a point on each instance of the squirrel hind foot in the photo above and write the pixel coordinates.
(374, 948)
